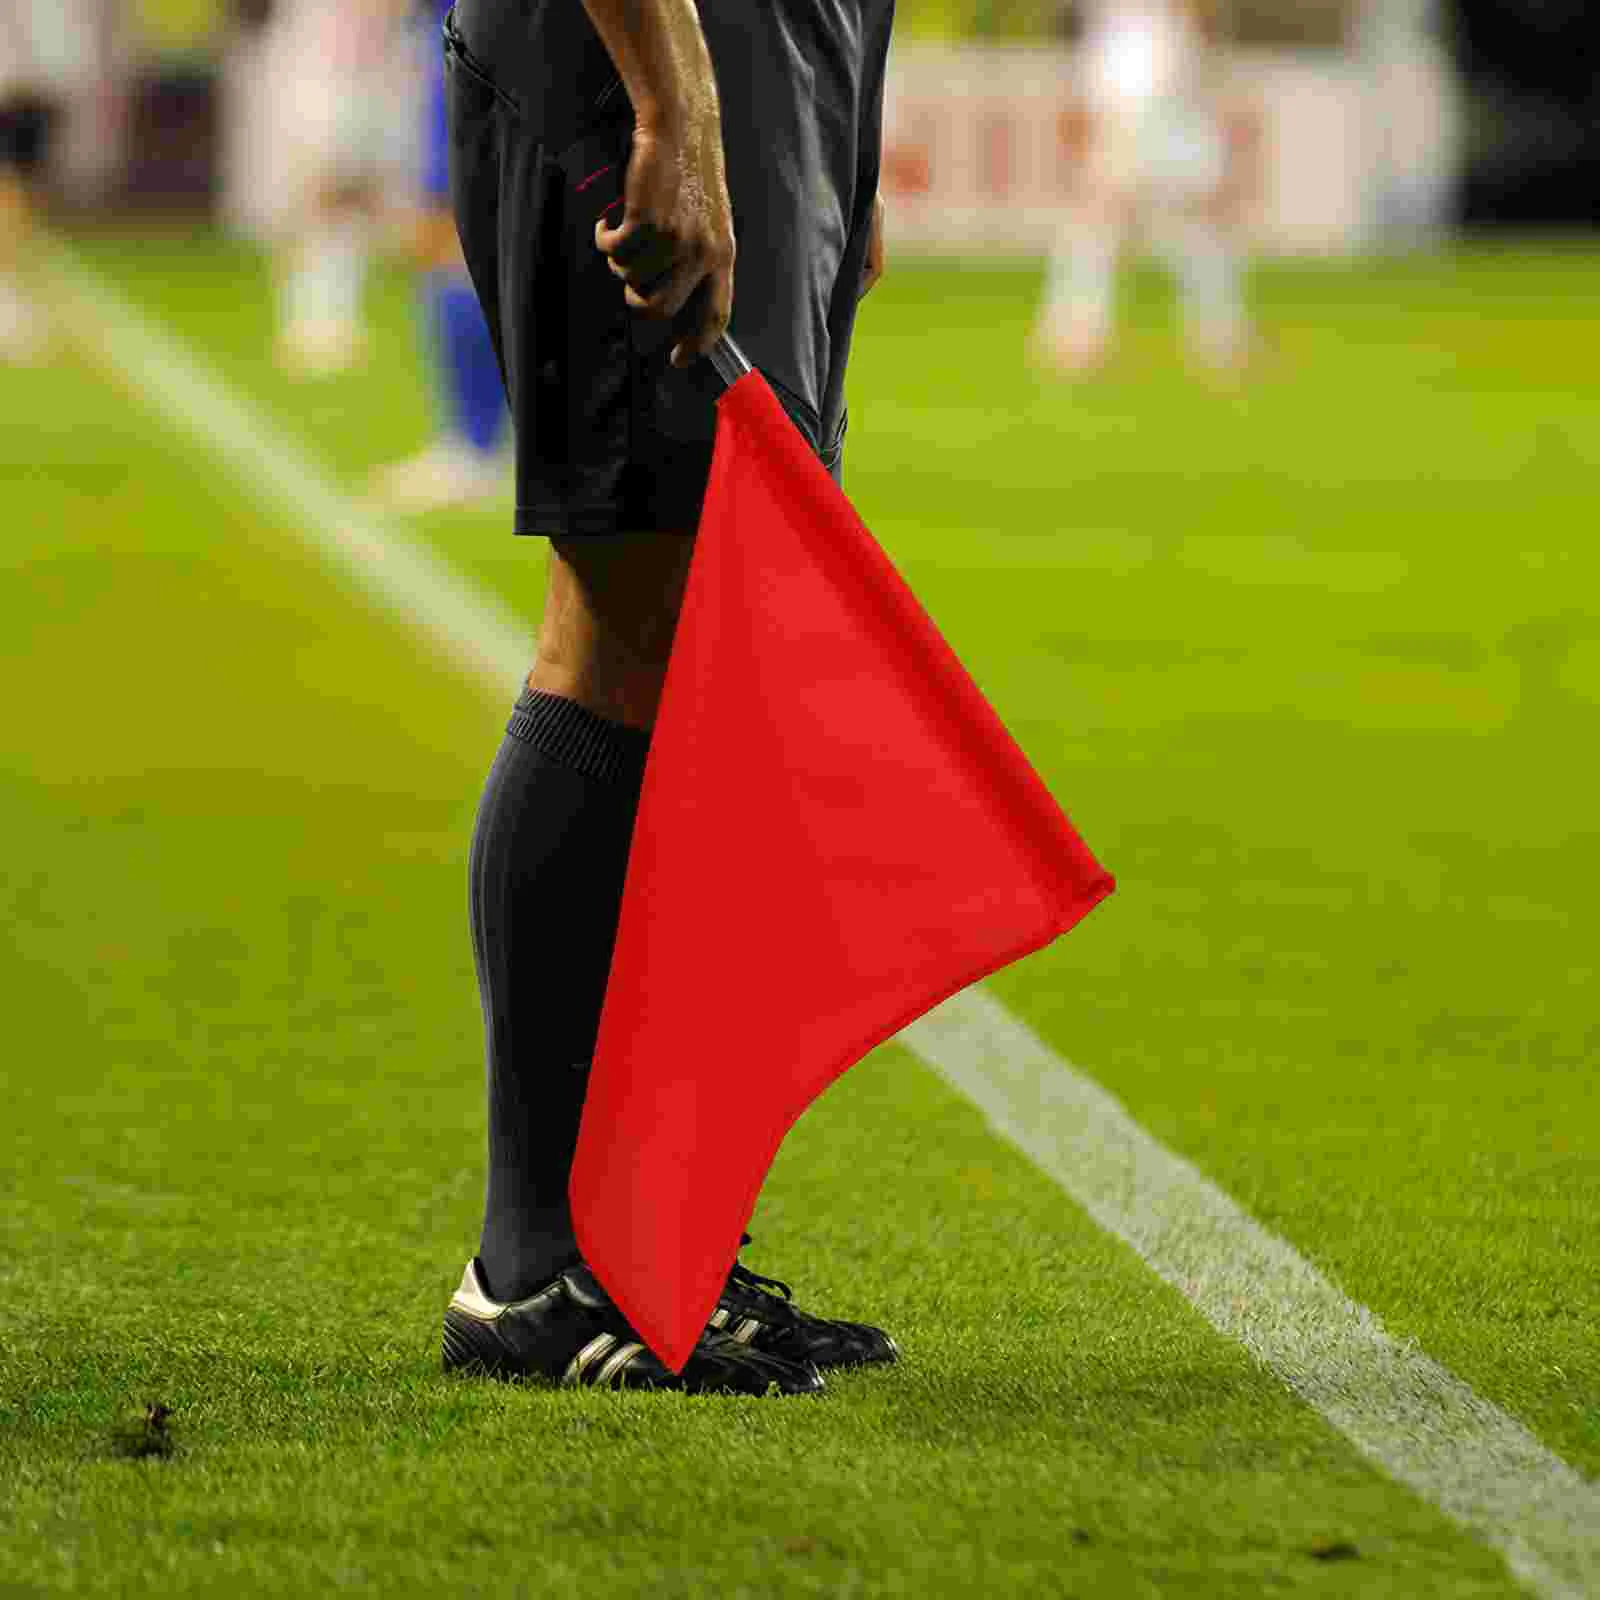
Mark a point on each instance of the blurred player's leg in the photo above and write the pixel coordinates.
(1210, 265)
(1219, 321)
(25, 120)
(322, 284)
(474, 398)
(36, 55)
(1075, 322)
(462, 464)
(1203, 172)
(1073, 333)
(343, 113)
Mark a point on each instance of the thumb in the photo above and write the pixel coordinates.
(606, 237)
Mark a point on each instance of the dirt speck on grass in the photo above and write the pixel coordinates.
(145, 1433)
(1334, 1550)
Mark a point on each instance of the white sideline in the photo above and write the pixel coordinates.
(1421, 1424)
(1404, 1411)
(469, 628)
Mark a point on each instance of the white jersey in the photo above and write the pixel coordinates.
(45, 45)
(344, 36)
(1148, 80)
(339, 69)
(1141, 54)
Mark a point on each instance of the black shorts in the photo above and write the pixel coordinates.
(25, 124)
(609, 436)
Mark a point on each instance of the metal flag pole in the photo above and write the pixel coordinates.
(729, 360)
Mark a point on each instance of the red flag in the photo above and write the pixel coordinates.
(836, 833)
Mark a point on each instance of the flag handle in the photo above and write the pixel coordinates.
(729, 360)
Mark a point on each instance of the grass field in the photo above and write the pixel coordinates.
(1313, 663)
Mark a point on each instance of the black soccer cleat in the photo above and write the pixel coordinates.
(570, 1333)
(760, 1313)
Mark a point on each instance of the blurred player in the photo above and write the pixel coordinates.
(1163, 156)
(35, 51)
(462, 464)
(338, 62)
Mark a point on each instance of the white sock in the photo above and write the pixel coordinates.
(1082, 280)
(1210, 273)
(327, 279)
(22, 323)
(344, 267)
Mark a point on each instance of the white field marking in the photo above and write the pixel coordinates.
(469, 628)
(1401, 1409)
(1407, 1413)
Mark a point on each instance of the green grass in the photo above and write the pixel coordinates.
(1312, 663)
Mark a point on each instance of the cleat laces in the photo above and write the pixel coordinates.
(760, 1311)
(770, 1298)
(774, 1290)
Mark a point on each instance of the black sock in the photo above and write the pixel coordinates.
(549, 854)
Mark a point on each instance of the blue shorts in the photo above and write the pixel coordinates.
(435, 133)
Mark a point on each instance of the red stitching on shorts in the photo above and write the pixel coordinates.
(593, 175)
(613, 206)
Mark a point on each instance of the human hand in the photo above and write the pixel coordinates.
(877, 258)
(675, 236)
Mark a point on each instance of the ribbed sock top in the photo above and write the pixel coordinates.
(575, 737)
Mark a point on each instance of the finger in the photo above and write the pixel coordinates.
(658, 287)
(876, 258)
(871, 272)
(623, 238)
(606, 236)
(713, 318)
(637, 252)
(633, 243)
(666, 295)
(646, 278)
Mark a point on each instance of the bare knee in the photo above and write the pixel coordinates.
(611, 608)
(435, 244)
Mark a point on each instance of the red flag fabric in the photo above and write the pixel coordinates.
(836, 832)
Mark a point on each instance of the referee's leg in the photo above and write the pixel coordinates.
(549, 857)
(611, 607)
(550, 846)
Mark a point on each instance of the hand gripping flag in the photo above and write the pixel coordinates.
(836, 833)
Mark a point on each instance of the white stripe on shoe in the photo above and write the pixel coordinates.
(596, 1350)
(617, 1365)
